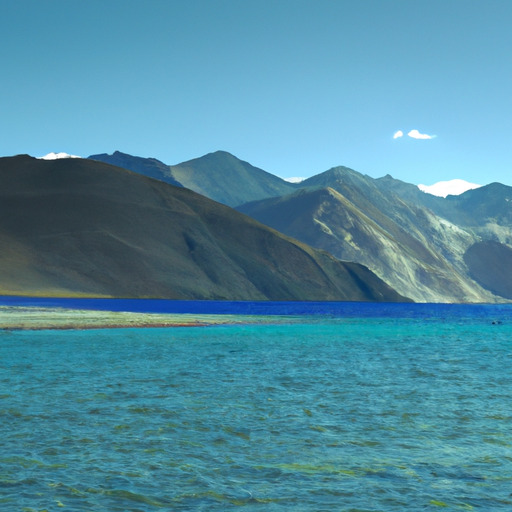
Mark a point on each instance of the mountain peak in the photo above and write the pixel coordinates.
(123, 159)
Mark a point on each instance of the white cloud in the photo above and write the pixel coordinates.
(57, 156)
(294, 180)
(446, 188)
(397, 134)
(415, 134)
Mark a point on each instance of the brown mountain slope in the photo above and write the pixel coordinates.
(80, 227)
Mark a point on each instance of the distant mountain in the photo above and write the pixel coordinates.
(224, 178)
(391, 227)
(448, 188)
(219, 176)
(483, 208)
(150, 167)
(78, 227)
(484, 212)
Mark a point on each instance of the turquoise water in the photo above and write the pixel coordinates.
(319, 414)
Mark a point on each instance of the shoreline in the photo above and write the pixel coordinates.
(22, 318)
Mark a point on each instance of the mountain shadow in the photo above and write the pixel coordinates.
(490, 264)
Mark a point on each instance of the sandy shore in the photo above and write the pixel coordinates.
(37, 318)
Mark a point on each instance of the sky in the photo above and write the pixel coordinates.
(294, 87)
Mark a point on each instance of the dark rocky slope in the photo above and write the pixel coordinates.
(490, 264)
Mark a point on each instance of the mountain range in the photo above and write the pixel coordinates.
(428, 248)
(422, 245)
(81, 227)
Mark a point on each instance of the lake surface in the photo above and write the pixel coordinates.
(350, 407)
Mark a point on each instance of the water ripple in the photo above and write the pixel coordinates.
(372, 414)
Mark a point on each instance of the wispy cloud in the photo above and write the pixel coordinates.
(398, 134)
(415, 134)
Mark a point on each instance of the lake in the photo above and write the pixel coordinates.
(339, 406)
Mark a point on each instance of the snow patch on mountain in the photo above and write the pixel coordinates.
(448, 188)
(57, 156)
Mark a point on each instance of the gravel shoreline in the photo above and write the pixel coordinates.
(43, 318)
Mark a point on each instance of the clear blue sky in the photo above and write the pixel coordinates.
(292, 86)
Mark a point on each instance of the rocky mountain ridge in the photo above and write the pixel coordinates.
(414, 241)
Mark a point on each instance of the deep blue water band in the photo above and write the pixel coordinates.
(325, 309)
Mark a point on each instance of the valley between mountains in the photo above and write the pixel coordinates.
(217, 227)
